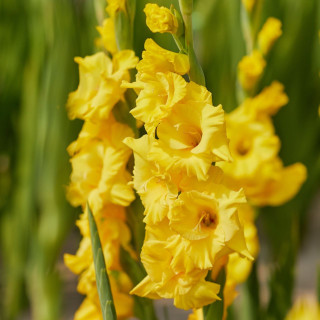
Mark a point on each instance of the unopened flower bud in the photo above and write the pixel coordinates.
(160, 19)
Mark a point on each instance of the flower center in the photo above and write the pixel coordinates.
(208, 219)
(190, 134)
(243, 147)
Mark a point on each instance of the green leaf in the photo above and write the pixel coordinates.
(102, 279)
(214, 311)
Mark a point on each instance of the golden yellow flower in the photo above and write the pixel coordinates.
(256, 166)
(251, 144)
(157, 96)
(208, 220)
(189, 290)
(190, 139)
(250, 70)
(269, 34)
(267, 102)
(99, 166)
(156, 188)
(100, 84)
(276, 184)
(156, 59)
(160, 19)
(305, 308)
(249, 4)
(107, 32)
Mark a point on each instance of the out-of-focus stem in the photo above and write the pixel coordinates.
(196, 73)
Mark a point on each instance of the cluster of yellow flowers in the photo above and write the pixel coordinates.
(99, 175)
(192, 184)
(253, 142)
(192, 218)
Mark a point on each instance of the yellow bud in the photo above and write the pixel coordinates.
(268, 35)
(115, 6)
(160, 19)
(249, 4)
(108, 39)
(250, 69)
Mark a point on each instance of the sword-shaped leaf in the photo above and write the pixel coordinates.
(102, 279)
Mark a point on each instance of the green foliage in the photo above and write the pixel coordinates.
(102, 278)
(214, 311)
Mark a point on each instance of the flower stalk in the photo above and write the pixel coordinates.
(196, 73)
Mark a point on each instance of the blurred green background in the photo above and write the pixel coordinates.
(38, 41)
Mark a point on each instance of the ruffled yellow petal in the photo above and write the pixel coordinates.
(269, 101)
(156, 59)
(143, 169)
(100, 84)
(157, 97)
(283, 188)
(210, 224)
(160, 19)
(190, 139)
(107, 32)
(156, 196)
(201, 294)
(88, 310)
(99, 166)
(81, 260)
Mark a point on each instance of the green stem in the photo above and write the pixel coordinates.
(196, 73)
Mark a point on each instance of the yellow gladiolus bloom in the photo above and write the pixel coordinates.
(190, 139)
(156, 59)
(276, 184)
(267, 102)
(250, 70)
(189, 290)
(160, 19)
(256, 166)
(100, 84)
(269, 34)
(304, 309)
(251, 143)
(157, 96)
(99, 166)
(209, 223)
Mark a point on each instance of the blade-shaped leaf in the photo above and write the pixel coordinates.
(214, 311)
(102, 279)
